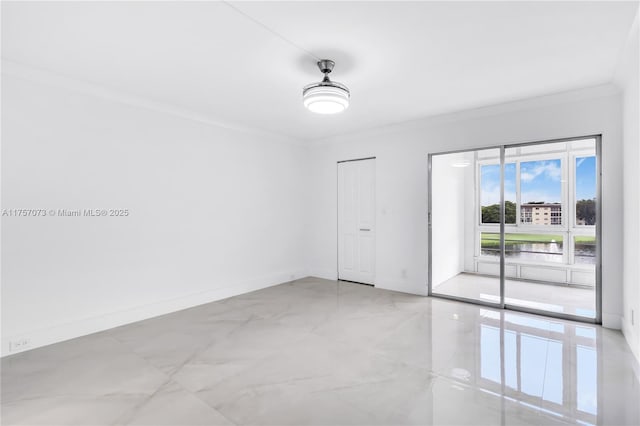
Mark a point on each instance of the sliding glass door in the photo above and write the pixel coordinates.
(454, 216)
(517, 226)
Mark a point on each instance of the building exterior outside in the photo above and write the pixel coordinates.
(541, 213)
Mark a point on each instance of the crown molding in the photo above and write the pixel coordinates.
(52, 79)
(570, 96)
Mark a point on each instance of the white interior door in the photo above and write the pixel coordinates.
(356, 221)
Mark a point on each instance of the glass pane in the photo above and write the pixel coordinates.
(545, 251)
(490, 193)
(541, 247)
(585, 250)
(457, 268)
(541, 189)
(585, 190)
(490, 244)
(510, 193)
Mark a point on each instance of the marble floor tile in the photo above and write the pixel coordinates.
(74, 410)
(172, 405)
(322, 352)
(95, 365)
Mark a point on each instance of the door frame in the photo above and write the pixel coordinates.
(502, 304)
(338, 219)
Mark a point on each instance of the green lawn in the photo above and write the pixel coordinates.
(490, 240)
(585, 240)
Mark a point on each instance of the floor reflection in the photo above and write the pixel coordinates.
(527, 294)
(547, 365)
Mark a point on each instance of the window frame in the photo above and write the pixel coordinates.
(568, 227)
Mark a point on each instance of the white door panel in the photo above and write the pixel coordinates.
(349, 250)
(366, 250)
(356, 221)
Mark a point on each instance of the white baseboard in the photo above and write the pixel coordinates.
(612, 321)
(634, 344)
(393, 285)
(402, 286)
(61, 332)
(323, 273)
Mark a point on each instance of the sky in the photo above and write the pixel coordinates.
(539, 181)
(586, 178)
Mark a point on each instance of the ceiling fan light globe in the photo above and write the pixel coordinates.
(322, 101)
(326, 97)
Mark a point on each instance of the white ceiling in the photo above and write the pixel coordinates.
(401, 60)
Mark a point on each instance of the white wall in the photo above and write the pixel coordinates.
(448, 201)
(401, 160)
(627, 78)
(214, 212)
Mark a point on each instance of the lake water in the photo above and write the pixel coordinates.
(547, 252)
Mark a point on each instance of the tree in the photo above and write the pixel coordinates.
(586, 211)
(491, 214)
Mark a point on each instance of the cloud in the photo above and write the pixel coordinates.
(537, 190)
(491, 195)
(490, 184)
(580, 161)
(549, 169)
